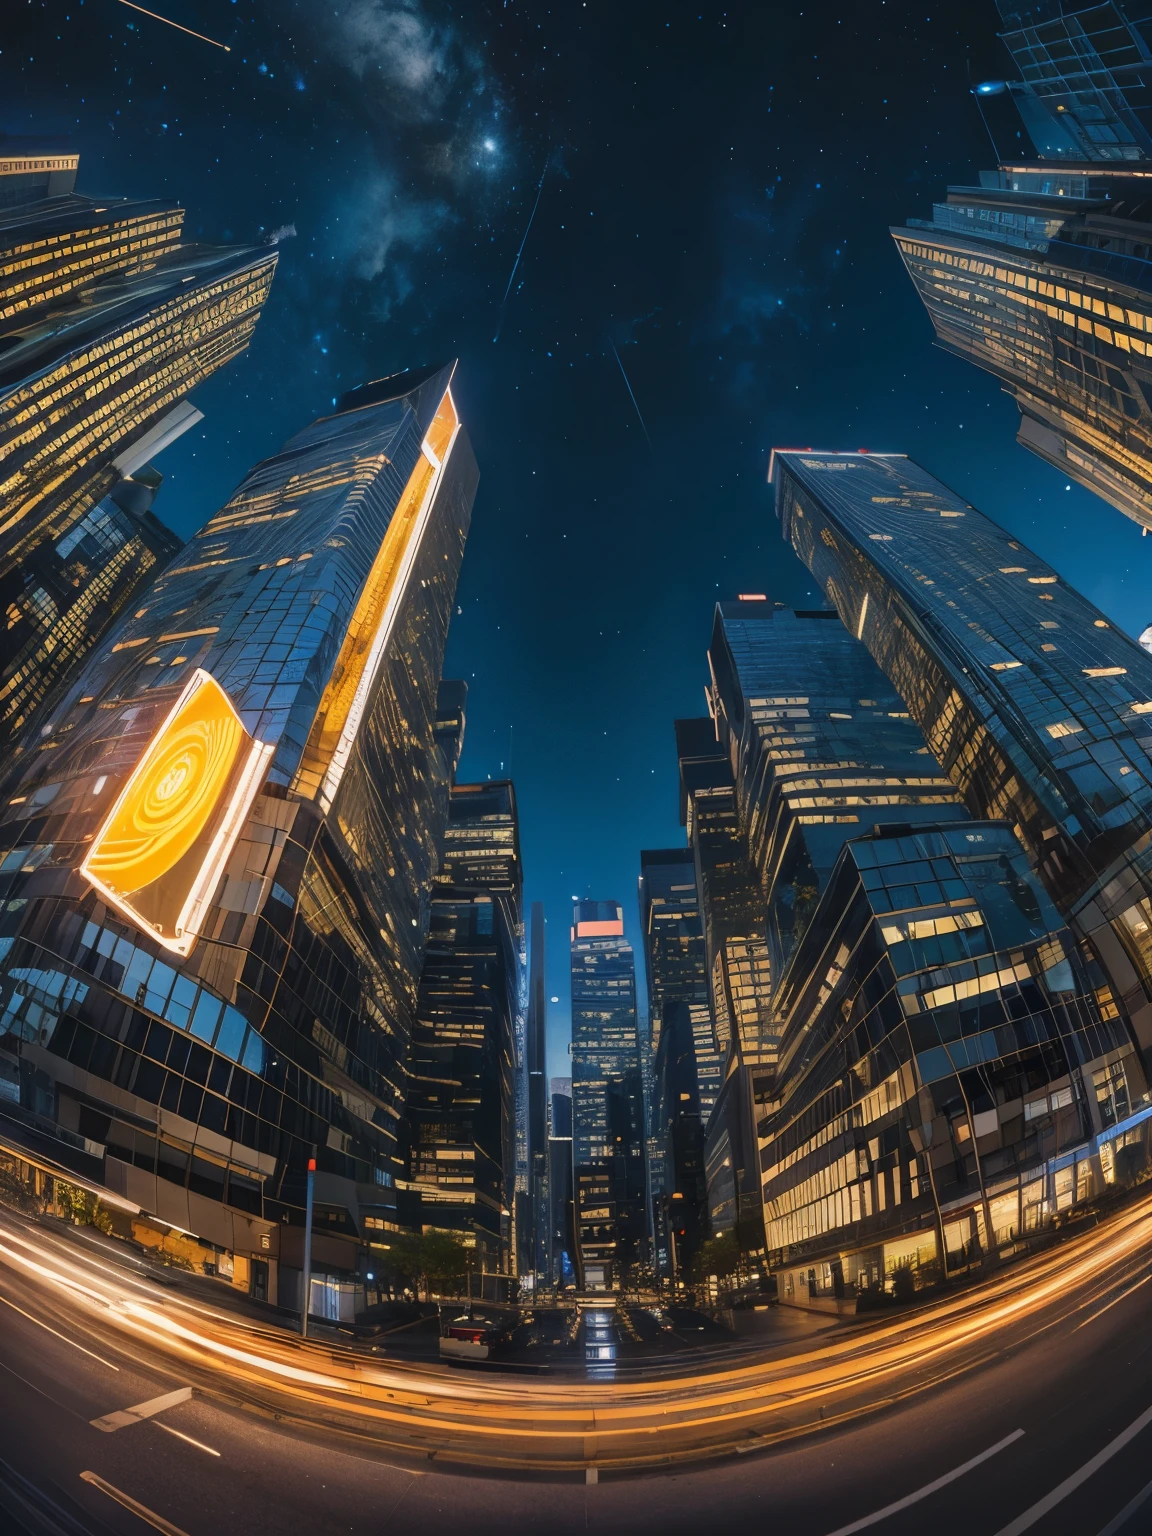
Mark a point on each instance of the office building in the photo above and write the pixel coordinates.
(107, 322)
(676, 973)
(461, 1106)
(1085, 89)
(1042, 276)
(735, 916)
(952, 1070)
(561, 1207)
(218, 864)
(731, 901)
(608, 1120)
(823, 750)
(1031, 700)
(539, 1217)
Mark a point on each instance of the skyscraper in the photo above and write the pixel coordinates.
(461, 1108)
(218, 863)
(538, 1212)
(731, 901)
(107, 322)
(1031, 700)
(1042, 275)
(607, 1096)
(1086, 76)
(951, 1070)
(676, 973)
(562, 1242)
(823, 750)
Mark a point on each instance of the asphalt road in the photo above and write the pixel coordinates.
(1058, 1431)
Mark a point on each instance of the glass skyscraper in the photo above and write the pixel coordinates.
(461, 1109)
(1043, 276)
(951, 1070)
(608, 1121)
(1086, 75)
(217, 864)
(107, 321)
(538, 1244)
(823, 749)
(1031, 700)
(687, 1071)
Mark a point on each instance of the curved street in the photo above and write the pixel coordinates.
(1020, 1404)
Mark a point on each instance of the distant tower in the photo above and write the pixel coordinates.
(607, 1097)
(538, 1096)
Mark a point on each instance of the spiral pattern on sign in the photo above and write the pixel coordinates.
(172, 795)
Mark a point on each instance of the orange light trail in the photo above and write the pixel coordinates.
(133, 7)
(501, 1421)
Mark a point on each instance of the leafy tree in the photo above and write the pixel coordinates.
(430, 1259)
(719, 1256)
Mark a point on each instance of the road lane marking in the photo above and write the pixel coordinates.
(141, 1511)
(1112, 1303)
(180, 1435)
(922, 1493)
(110, 1422)
(1070, 1484)
(1133, 1504)
(63, 1336)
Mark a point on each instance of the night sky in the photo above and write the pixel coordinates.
(712, 222)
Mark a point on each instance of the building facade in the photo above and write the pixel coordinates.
(1030, 699)
(949, 1064)
(107, 321)
(538, 1214)
(608, 1119)
(1043, 276)
(676, 974)
(461, 1106)
(1085, 89)
(218, 861)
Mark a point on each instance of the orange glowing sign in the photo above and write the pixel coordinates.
(162, 849)
(345, 698)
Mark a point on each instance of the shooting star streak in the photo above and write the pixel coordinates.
(632, 397)
(176, 24)
(520, 252)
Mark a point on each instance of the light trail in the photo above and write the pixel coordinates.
(132, 6)
(508, 1422)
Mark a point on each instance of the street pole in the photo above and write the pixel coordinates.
(308, 1246)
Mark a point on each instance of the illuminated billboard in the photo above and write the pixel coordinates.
(163, 847)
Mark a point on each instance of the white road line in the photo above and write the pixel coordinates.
(63, 1336)
(141, 1511)
(1070, 1484)
(110, 1422)
(180, 1435)
(1112, 1303)
(1118, 1521)
(922, 1493)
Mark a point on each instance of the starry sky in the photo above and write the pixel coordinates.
(700, 200)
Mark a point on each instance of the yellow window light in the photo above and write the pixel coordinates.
(341, 709)
(163, 847)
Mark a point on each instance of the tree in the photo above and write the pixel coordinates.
(719, 1256)
(430, 1259)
